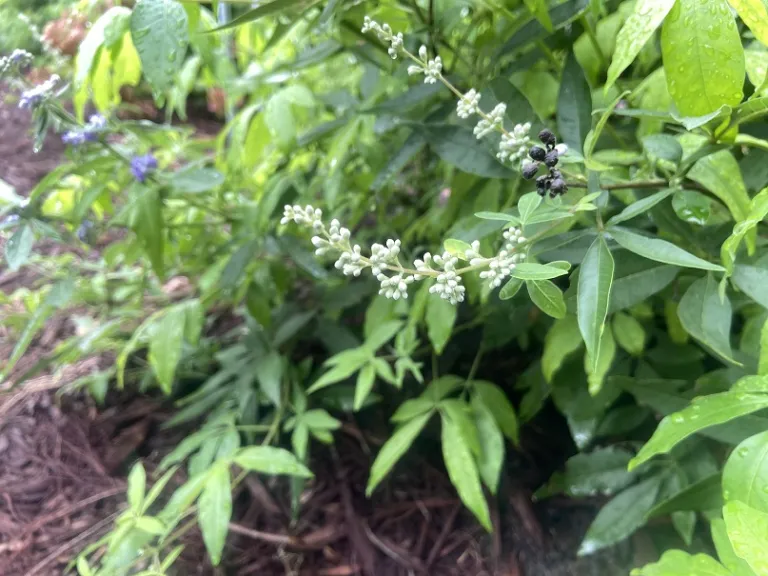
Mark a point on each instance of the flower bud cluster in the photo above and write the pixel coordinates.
(514, 145)
(33, 97)
(501, 265)
(384, 32)
(448, 284)
(468, 104)
(16, 61)
(493, 122)
(431, 68)
(385, 266)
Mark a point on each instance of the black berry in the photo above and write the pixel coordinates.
(551, 159)
(547, 137)
(529, 170)
(554, 173)
(537, 153)
(558, 186)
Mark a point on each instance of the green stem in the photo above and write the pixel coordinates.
(593, 39)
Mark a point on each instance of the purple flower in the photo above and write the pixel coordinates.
(141, 166)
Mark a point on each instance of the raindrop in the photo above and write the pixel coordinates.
(678, 419)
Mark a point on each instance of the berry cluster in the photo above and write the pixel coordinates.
(552, 182)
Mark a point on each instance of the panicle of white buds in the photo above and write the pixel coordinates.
(431, 68)
(468, 104)
(494, 121)
(382, 255)
(384, 261)
(501, 265)
(33, 97)
(384, 32)
(514, 145)
(307, 216)
(394, 287)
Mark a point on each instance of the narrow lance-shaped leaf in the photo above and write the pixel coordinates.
(394, 448)
(620, 518)
(705, 411)
(574, 105)
(659, 250)
(594, 294)
(702, 31)
(165, 346)
(463, 471)
(270, 460)
(636, 31)
(215, 510)
(19, 247)
(707, 317)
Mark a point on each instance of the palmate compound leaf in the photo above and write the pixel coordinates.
(748, 395)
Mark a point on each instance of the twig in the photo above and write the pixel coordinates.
(447, 527)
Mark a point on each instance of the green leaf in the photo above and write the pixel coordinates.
(704, 495)
(602, 471)
(692, 207)
(456, 248)
(318, 419)
(762, 367)
(527, 205)
(146, 220)
(501, 216)
(619, 519)
(540, 10)
(458, 146)
(270, 460)
(183, 498)
(165, 345)
(194, 180)
(412, 408)
(394, 448)
(705, 411)
(519, 109)
(382, 334)
(679, 563)
(137, 482)
(365, 380)
(19, 247)
(594, 294)
(725, 552)
(629, 333)
(597, 368)
(440, 318)
(491, 457)
(412, 146)
(499, 405)
(752, 280)
(748, 532)
(720, 174)
(560, 14)
(532, 271)
(510, 289)
(640, 207)
(150, 525)
(659, 250)
(702, 31)
(262, 10)
(269, 372)
(594, 134)
(547, 297)
(636, 279)
(160, 32)
(750, 110)
(707, 317)
(635, 33)
(463, 472)
(574, 105)
(755, 16)
(344, 365)
(663, 146)
(745, 475)
(562, 340)
(214, 510)
(458, 411)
